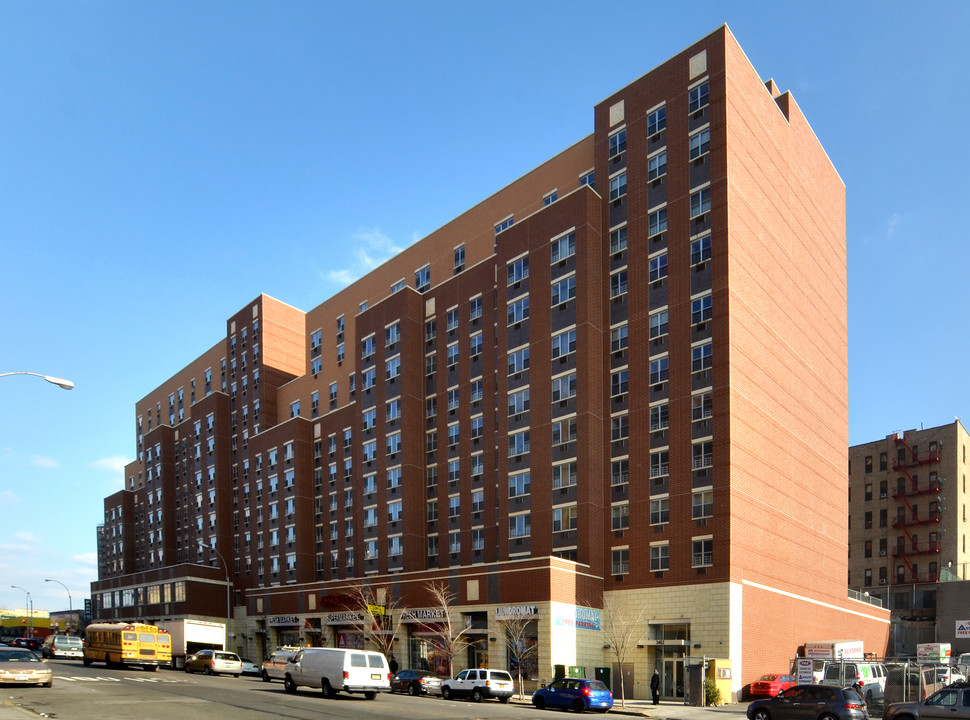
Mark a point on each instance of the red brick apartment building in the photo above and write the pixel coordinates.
(622, 377)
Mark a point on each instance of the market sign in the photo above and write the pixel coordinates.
(282, 620)
(423, 615)
(345, 618)
(963, 629)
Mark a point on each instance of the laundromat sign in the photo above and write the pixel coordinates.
(514, 612)
(584, 619)
(963, 629)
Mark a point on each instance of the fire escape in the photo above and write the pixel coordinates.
(906, 460)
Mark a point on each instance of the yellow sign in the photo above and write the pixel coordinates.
(376, 609)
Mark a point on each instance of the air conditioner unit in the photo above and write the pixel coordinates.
(882, 553)
(882, 581)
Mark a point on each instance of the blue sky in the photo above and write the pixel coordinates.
(161, 164)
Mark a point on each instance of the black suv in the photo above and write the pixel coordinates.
(30, 643)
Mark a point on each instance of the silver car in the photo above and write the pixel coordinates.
(951, 702)
(214, 662)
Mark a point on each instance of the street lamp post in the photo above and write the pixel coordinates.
(60, 382)
(30, 610)
(70, 602)
(228, 601)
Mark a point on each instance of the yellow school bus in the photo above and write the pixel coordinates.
(121, 644)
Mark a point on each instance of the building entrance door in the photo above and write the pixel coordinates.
(672, 687)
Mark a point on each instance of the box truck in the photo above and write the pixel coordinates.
(933, 652)
(190, 636)
(823, 652)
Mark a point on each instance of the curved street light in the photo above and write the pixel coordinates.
(29, 608)
(203, 546)
(60, 382)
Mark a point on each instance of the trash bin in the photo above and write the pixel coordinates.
(558, 671)
(577, 671)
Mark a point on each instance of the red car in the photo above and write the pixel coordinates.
(772, 684)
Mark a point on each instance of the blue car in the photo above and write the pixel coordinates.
(577, 694)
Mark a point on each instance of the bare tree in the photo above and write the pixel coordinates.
(518, 623)
(453, 638)
(621, 628)
(378, 616)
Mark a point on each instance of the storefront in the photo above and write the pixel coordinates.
(283, 630)
(345, 627)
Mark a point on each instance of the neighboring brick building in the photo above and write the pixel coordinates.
(908, 527)
(624, 375)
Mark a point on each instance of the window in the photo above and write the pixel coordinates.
(394, 546)
(453, 398)
(657, 166)
(475, 345)
(658, 370)
(394, 476)
(452, 355)
(518, 310)
(700, 250)
(459, 258)
(432, 546)
(564, 387)
(564, 343)
(657, 121)
(619, 427)
(393, 443)
(367, 347)
(519, 402)
(619, 382)
(563, 290)
(619, 338)
(520, 526)
(564, 474)
(618, 186)
(698, 97)
(478, 538)
(517, 270)
(619, 472)
(549, 198)
(702, 552)
(702, 504)
(519, 443)
(700, 309)
(454, 435)
(700, 202)
(370, 519)
(659, 417)
(700, 357)
(660, 511)
(333, 392)
(519, 484)
(476, 391)
(518, 360)
(658, 221)
(422, 279)
(563, 247)
(454, 542)
(392, 334)
(474, 308)
(369, 418)
(588, 179)
(565, 518)
(617, 143)
(454, 506)
(618, 240)
(394, 511)
(392, 368)
(658, 324)
(504, 225)
(295, 409)
(620, 516)
(618, 284)
(620, 561)
(478, 426)
(316, 338)
(478, 465)
(370, 450)
(660, 557)
(393, 409)
(452, 319)
(563, 431)
(659, 463)
(454, 470)
(700, 144)
(658, 267)
(703, 454)
(868, 520)
(398, 286)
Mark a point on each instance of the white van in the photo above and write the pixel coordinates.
(336, 669)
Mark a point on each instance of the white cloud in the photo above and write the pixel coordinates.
(44, 462)
(371, 248)
(87, 559)
(26, 536)
(894, 220)
(8, 498)
(114, 464)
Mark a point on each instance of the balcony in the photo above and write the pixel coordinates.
(916, 549)
(901, 522)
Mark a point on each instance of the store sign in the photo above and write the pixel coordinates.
(345, 618)
(515, 612)
(583, 619)
(282, 620)
(963, 629)
(423, 615)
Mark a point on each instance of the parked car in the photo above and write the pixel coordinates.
(214, 662)
(21, 666)
(31, 643)
(416, 682)
(338, 669)
(910, 683)
(249, 667)
(947, 674)
(62, 646)
(871, 676)
(576, 694)
(274, 667)
(479, 685)
(810, 702)
(771, 684)
(951, 702)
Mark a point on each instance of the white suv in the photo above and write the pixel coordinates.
(479, 685)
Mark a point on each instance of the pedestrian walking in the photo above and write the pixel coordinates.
(393, 664)
(655, 686)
